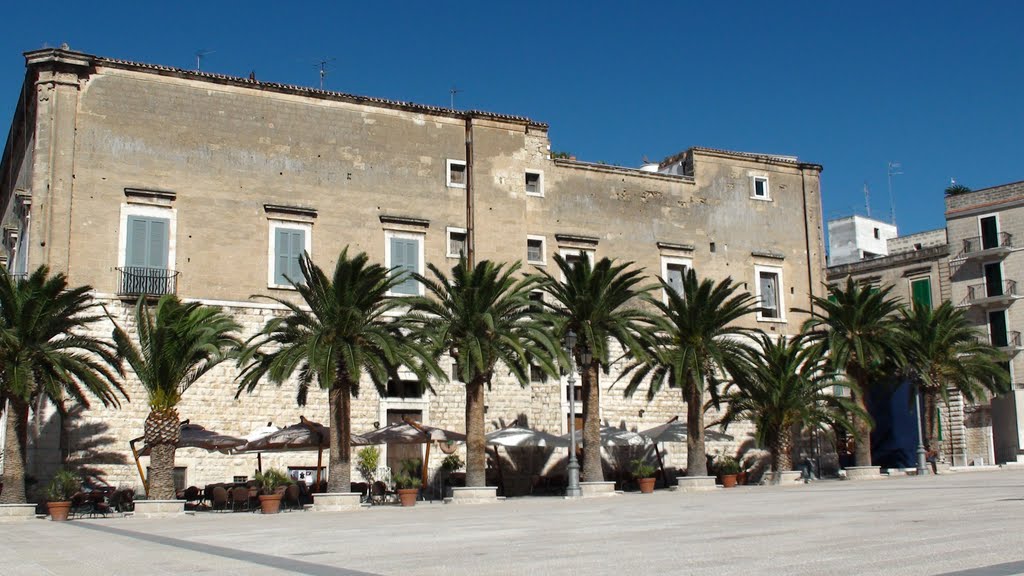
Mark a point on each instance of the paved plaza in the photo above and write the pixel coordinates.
(967, 523)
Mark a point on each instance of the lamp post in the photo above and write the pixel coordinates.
(922, 465)
(573, 490)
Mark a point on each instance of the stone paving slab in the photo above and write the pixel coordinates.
(963, 524)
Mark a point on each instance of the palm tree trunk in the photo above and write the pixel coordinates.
(696, 453)
(13, 478)
(781, 449)
(339, 466)
(161, 472)
(592, 470)
(861, 425)
(476, 444)
(930, 420)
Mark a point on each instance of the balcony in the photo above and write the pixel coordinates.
(980, 295)
(144, 281)
(976, 248)
(1009, 343)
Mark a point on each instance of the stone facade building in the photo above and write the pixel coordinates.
(987, 266)
(137, 178)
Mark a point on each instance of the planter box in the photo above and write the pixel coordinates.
(695, 483)
(597, 489)
(16, 512)
(473, 495)
(337, 501)
(786, 478)
(863, 473)
(159, 508)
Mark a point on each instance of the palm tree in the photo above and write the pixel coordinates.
(482, 316)
(697, 343)
(858, 328)
(786, 386)
(945, 352)
(46, 352)
(352, 326)
(595, 302)
(175, 345)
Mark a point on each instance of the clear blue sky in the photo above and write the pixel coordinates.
(937, 86)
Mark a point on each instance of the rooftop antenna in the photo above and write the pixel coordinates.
(323, 64)
(867, 198)
(453, 92)
(894, 169)
(199, 57)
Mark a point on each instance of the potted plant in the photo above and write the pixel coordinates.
(368, 459)
(271, 481)
(644, 474)
(408, 483)
(728, 468)
(62, 488)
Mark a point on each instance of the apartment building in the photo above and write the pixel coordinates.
(143, 179)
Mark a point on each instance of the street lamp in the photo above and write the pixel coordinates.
(922, 465)
(573, 490)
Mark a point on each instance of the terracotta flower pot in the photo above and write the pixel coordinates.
(59, 510)
(728, 480)
(646, 485)
(408, 496)
(270, 503)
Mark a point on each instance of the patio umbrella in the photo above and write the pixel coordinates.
(410, 432)
(191, 436)
(675, 431)
(523, 437)
(306, 435)
(613, 437)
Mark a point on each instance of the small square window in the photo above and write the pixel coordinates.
(534, 183)
(537, 297)
(456, 174)
(457, 239)
(877, 234)
(760, 187)
(535, 249)
(769, 295)
(537, 374)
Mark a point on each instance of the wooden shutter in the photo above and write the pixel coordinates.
(298, 246)
(147, 243)
(289, 244)
(675, 274)
(921, 292)
(405, 260)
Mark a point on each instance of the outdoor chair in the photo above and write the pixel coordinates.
(219, 498)
(291, 498)
(380, 494)
(122, 500)
(239, 497)
(192, 495)
(362, 488)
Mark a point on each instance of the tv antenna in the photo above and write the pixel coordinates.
(323, 65)
(453, 92)
(894, 169)
(867, 198)
(200, 54)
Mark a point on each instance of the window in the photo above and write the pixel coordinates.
(456, 173)
(288, 240)
(877, 234)
(534, 183)
(146, 251)
(404, 256)
(537, 374)
(993, 279)
(997, 329)
(537, 299)
(574, 255)
(673, 271)
(769, 294)
(989, 232)
(404, 389)
(921, 291)
(760, 184)
(535, 250)
(457, 240)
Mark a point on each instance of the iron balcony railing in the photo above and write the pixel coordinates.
(976, 244)
(1009, 340)
(142, 280)
(981, 291)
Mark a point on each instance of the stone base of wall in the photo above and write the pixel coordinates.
(473, 495)
(597, 489)
(786, 478)
(15, 512)
(159, 508)
(1013, 465)
(863, 472)
(695, 483)
(337, 501)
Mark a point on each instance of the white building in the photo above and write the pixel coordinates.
(857, 238)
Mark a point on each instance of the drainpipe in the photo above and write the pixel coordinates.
(470, 224)
(807, 240)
